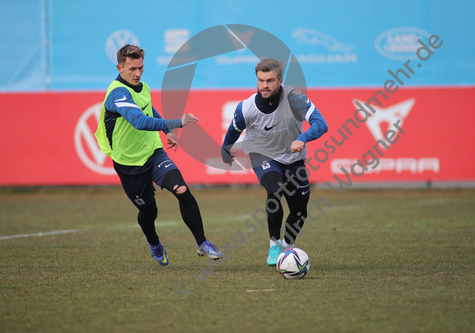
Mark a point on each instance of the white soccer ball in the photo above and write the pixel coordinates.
(293, 263)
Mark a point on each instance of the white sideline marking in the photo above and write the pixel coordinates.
(241, 217)
(432, 201)
(39, 234)
(157, 224)
(165, 223)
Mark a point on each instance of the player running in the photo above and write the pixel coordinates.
(276, 144)
(127, 132)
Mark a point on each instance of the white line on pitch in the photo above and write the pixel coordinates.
(433, 201)
(40, 234)
(161, 223)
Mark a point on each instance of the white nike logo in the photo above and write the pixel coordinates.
(308, 101)
(166, 166)
(121, 99)
(303, 193)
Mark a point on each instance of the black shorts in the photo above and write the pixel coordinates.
(139, 187)
(297, 171)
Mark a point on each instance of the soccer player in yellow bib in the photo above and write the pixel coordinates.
(128, 133)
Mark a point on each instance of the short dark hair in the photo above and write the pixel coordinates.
(129, 51)
(271, 65)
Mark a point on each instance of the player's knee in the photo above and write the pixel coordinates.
(273, 190)
(270, 181)
(179, 189)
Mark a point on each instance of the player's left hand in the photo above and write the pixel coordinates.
(297, 146)
(188, 118)
(172, 140)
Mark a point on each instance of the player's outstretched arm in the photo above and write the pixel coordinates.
(120, 101)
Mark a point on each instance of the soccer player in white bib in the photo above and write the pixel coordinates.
(276, 143)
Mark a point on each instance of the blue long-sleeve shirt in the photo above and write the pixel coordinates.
(120, 103)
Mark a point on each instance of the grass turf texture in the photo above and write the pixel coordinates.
(381, 261)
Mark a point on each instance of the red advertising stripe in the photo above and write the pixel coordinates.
(46, 138)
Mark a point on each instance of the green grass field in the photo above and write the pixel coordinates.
(381, 261)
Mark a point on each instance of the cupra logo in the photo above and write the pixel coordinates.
(388, 115)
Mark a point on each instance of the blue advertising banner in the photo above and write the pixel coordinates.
(22, 36)
(339, 43)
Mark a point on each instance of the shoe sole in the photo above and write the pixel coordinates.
(200, 254)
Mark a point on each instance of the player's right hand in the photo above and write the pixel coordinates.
(172, 140)
(228, 157)
(188, 118)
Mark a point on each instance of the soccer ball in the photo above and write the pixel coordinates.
(293, 263)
